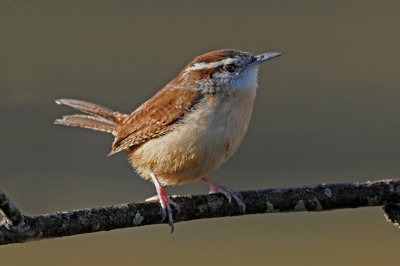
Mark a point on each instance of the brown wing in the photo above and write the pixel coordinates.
(155, 117)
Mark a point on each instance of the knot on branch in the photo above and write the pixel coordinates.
(13, 219)
(392, 213)
(21, 227)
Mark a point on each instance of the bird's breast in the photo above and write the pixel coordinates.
(204, 139)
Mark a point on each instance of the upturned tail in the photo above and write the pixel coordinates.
(96, 117)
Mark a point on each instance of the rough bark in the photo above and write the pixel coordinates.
(12, 216)
(17, 228)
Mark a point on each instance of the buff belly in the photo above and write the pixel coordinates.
(200, 143)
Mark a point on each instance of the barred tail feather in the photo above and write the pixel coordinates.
(90, 122)
(93, 110)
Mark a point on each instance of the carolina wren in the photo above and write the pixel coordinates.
(188, 128)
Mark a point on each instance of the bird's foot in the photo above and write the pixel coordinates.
(165, 203)
(227, 192)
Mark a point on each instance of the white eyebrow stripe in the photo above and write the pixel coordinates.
(204, 65)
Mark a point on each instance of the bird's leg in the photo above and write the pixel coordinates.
(165, 202)
(227, 192)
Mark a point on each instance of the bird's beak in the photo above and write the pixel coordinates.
(261, 58)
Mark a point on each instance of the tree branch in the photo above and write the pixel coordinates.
(17, 228)
(13, 216)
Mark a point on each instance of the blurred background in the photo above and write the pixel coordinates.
(326, 111)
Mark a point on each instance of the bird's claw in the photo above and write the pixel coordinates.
(166, 209)
(227, 192)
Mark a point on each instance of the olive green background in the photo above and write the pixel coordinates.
(326, 111)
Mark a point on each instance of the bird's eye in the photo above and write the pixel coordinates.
(230, 68)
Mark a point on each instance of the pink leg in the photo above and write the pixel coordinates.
(165, 202)
(228, 193)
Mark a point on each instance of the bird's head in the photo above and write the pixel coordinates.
(226, 68)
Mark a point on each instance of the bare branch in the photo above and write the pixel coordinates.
(13, 216)
(308, 198)
(392, 213)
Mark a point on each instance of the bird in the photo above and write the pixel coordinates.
(188, 129)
